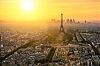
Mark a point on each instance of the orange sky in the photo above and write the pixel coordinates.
(11, 10)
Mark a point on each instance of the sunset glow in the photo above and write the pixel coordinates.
(30, 10)
(28, 5)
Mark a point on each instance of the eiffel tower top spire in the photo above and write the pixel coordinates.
(61, 18)
(61, 26)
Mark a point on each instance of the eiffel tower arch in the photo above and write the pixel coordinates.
(61, 25)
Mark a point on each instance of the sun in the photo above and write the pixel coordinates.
(28, 5)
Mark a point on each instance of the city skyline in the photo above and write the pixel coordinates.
(49, 33)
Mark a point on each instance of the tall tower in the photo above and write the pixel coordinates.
(61, 26)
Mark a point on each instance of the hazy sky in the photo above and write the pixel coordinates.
(12, 10)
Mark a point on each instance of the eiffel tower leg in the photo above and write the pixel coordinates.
(62, 29)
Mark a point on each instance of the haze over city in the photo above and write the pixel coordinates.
(49, 32)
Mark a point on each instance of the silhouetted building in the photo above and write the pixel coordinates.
(61, 26)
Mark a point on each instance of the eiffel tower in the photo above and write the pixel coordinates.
(61, 26)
